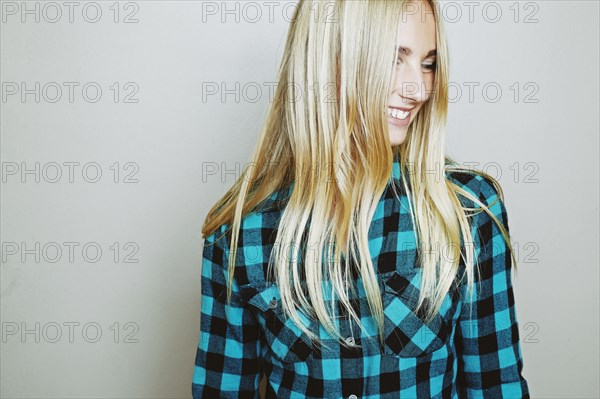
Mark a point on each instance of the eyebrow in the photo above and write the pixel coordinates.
(408, 51)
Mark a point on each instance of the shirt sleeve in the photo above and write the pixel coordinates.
(488, 350)
(229, 349)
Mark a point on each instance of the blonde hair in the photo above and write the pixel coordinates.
(347, 139)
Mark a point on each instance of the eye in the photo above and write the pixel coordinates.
(430, 67)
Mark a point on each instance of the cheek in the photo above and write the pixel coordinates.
(429, 86)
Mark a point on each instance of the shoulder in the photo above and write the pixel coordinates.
(266, 215)
(486, 222)
(486, 189)
(255, 241)
(259, 225)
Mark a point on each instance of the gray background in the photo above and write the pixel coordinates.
(542, 145)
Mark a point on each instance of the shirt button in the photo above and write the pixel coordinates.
(352, 397)
(273, 304)
(350, 341)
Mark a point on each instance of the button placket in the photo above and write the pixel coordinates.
(350, 340)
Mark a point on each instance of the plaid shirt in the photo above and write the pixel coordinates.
(451, 357)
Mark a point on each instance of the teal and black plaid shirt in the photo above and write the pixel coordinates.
(451, 357)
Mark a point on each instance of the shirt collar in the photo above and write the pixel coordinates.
(396, 168)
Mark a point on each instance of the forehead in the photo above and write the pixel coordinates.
(417, 27)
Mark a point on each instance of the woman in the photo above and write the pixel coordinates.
(355, 259)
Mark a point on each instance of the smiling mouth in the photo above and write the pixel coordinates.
(398, 114)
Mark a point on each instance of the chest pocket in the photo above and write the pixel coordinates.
(406, 334)
(284, 338)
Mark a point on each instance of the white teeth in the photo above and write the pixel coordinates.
(396, 113)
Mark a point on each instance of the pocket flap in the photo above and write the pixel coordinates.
(286, 340)
(407, 335)
(406, 285)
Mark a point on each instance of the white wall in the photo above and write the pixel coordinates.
(547, 152)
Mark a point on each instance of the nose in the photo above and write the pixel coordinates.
(409, 83)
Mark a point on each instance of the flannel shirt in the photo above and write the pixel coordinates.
(450, 357)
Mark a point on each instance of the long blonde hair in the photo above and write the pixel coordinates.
(331, 205)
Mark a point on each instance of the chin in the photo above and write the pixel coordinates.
(397, 137)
